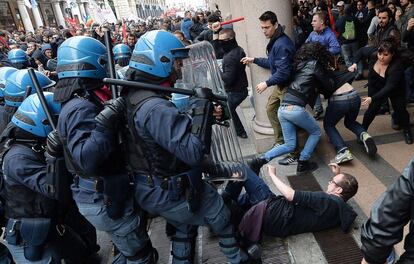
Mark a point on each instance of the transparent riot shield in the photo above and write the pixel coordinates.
(201, 69)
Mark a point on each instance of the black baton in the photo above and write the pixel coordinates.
(111, 64)
(158, 88)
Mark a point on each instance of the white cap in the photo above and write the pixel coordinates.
(340, 3)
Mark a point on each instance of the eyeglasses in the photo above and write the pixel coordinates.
(225, 40)
(334, 182)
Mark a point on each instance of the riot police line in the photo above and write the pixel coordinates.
(79, 157)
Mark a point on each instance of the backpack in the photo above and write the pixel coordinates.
(349, 33)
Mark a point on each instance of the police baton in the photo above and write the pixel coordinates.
(111, 64)
(56, 170)
(41, 96)
(157, 88)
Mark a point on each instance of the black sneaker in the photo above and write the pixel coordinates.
(288, 160)
(408, 136)
(369, 144)
(256, 164)
(306, 166)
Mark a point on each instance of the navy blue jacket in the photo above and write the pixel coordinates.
(21, 167)
(159, 120)
(88, 143)
(281, 51)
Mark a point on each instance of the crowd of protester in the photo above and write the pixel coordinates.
(334, 43)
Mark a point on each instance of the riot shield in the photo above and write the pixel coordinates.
(201, 69)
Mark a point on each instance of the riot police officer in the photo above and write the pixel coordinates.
(35, 230)
(18, 58)
(5, 72)
(87, 130)
(15, 91)
(166, 148)
(122, 55)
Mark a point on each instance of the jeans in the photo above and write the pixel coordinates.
(127, 232)
(290, 117)
(234, 100)
(348, 52)
(212, 212)
(256, 190)
(335, 111)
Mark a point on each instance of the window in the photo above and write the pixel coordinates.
(49, 15)
(6, 18)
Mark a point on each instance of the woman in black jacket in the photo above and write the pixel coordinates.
(386, 79)
(312, 75)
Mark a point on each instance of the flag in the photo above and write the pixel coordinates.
(27, 3)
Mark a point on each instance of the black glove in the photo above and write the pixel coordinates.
(54, 145)
(112, 114)
(205, 93)
(223, 171)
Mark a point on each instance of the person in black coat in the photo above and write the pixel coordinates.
(386, 79)
(389, 215)
(234, 75)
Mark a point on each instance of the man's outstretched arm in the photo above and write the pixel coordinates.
(285, 189)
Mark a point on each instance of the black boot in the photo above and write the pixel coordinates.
(256, 164)
(306, 166)
(408, 136)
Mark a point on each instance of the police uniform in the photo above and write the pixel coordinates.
(165, 151)
(101, 185)
(35, 230)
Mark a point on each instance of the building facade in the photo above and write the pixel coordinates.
(142, 9)
(16, 15)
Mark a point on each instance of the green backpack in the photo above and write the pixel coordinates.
(349, 33)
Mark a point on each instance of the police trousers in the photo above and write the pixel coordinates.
(127, 233)
(212, 212)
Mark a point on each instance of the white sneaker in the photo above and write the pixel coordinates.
(342, 157)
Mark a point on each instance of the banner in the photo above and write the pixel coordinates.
(100, 15)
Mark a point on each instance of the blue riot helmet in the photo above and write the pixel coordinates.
(31, 117)
(82, 57)
(5, 73)
(17, 84)
(122, 54)
(17, 56)
(155, 53)
(121, 51)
